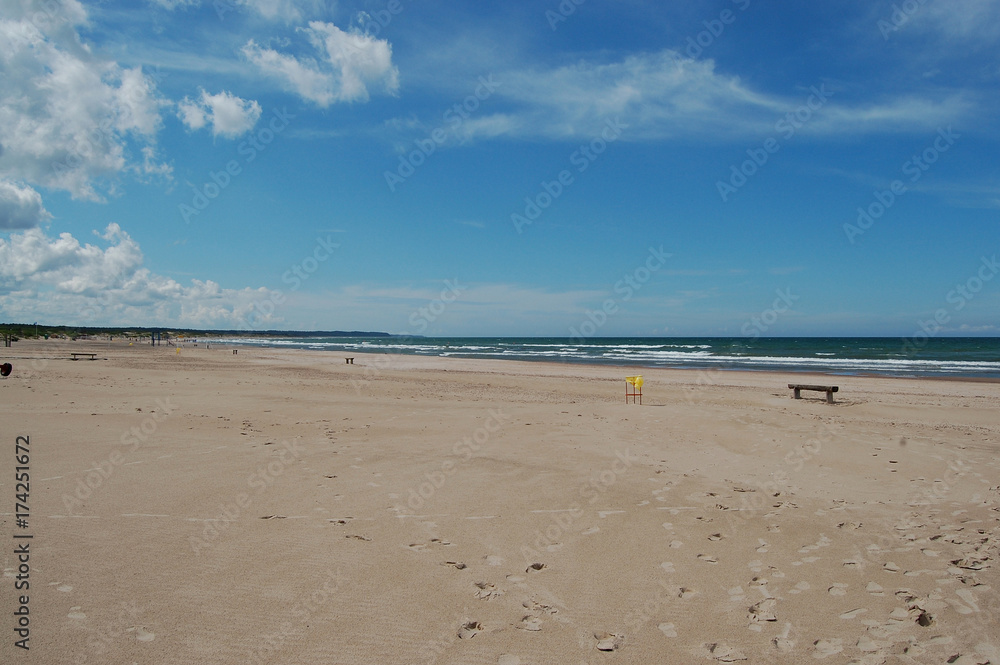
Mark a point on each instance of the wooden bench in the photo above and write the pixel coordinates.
(349, 361)
(75, 354)
(799, 387)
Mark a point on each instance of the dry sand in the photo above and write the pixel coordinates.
(284, 507)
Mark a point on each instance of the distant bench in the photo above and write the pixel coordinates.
(76, 355)
(349, 361)
(799, 387)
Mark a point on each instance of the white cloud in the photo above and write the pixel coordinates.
(289, 11)
(358, 60)
(349, 65)
(229, 115)
(664, 95)
(959, 19)
(68, 119)
(174, 4)
(302, 76)
(60, 279)
(20, 206)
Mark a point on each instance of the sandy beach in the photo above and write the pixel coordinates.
(282, 506)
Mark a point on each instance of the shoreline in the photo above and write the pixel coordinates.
(403, 357)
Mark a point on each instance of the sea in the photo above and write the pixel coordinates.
(965, 357)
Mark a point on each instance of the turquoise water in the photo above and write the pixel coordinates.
(889, 356)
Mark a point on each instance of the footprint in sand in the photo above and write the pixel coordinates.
(591, 530)
(736, 594)
(438, 541)
(715, 537)
(875, 589)
(487, 591)
(508, 659)
(536, 606)
(675, 544)
(494, 560)
(469, 629)
(853, 613)
(827, 648)
(707, 558)
(782, 643)
(686, 593)
(141, 634)
(838, 589)
(65, 588)
(763, 611)
(535, 567)
(457, 564)
(668, 629)
(668, 567)
(416, 547)
(75, 613)
(724, 653)
(868, 645)
(800, 587)
(608, 641)
(530, 623)
(890, 567)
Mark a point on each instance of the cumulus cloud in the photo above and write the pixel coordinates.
(347, 67)
(82, 283)
(68, 119)
(20, 206)
(229, 115)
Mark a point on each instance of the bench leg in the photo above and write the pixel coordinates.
(798, 394)
(829, 397)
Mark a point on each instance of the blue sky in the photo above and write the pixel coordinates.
(461, 169)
